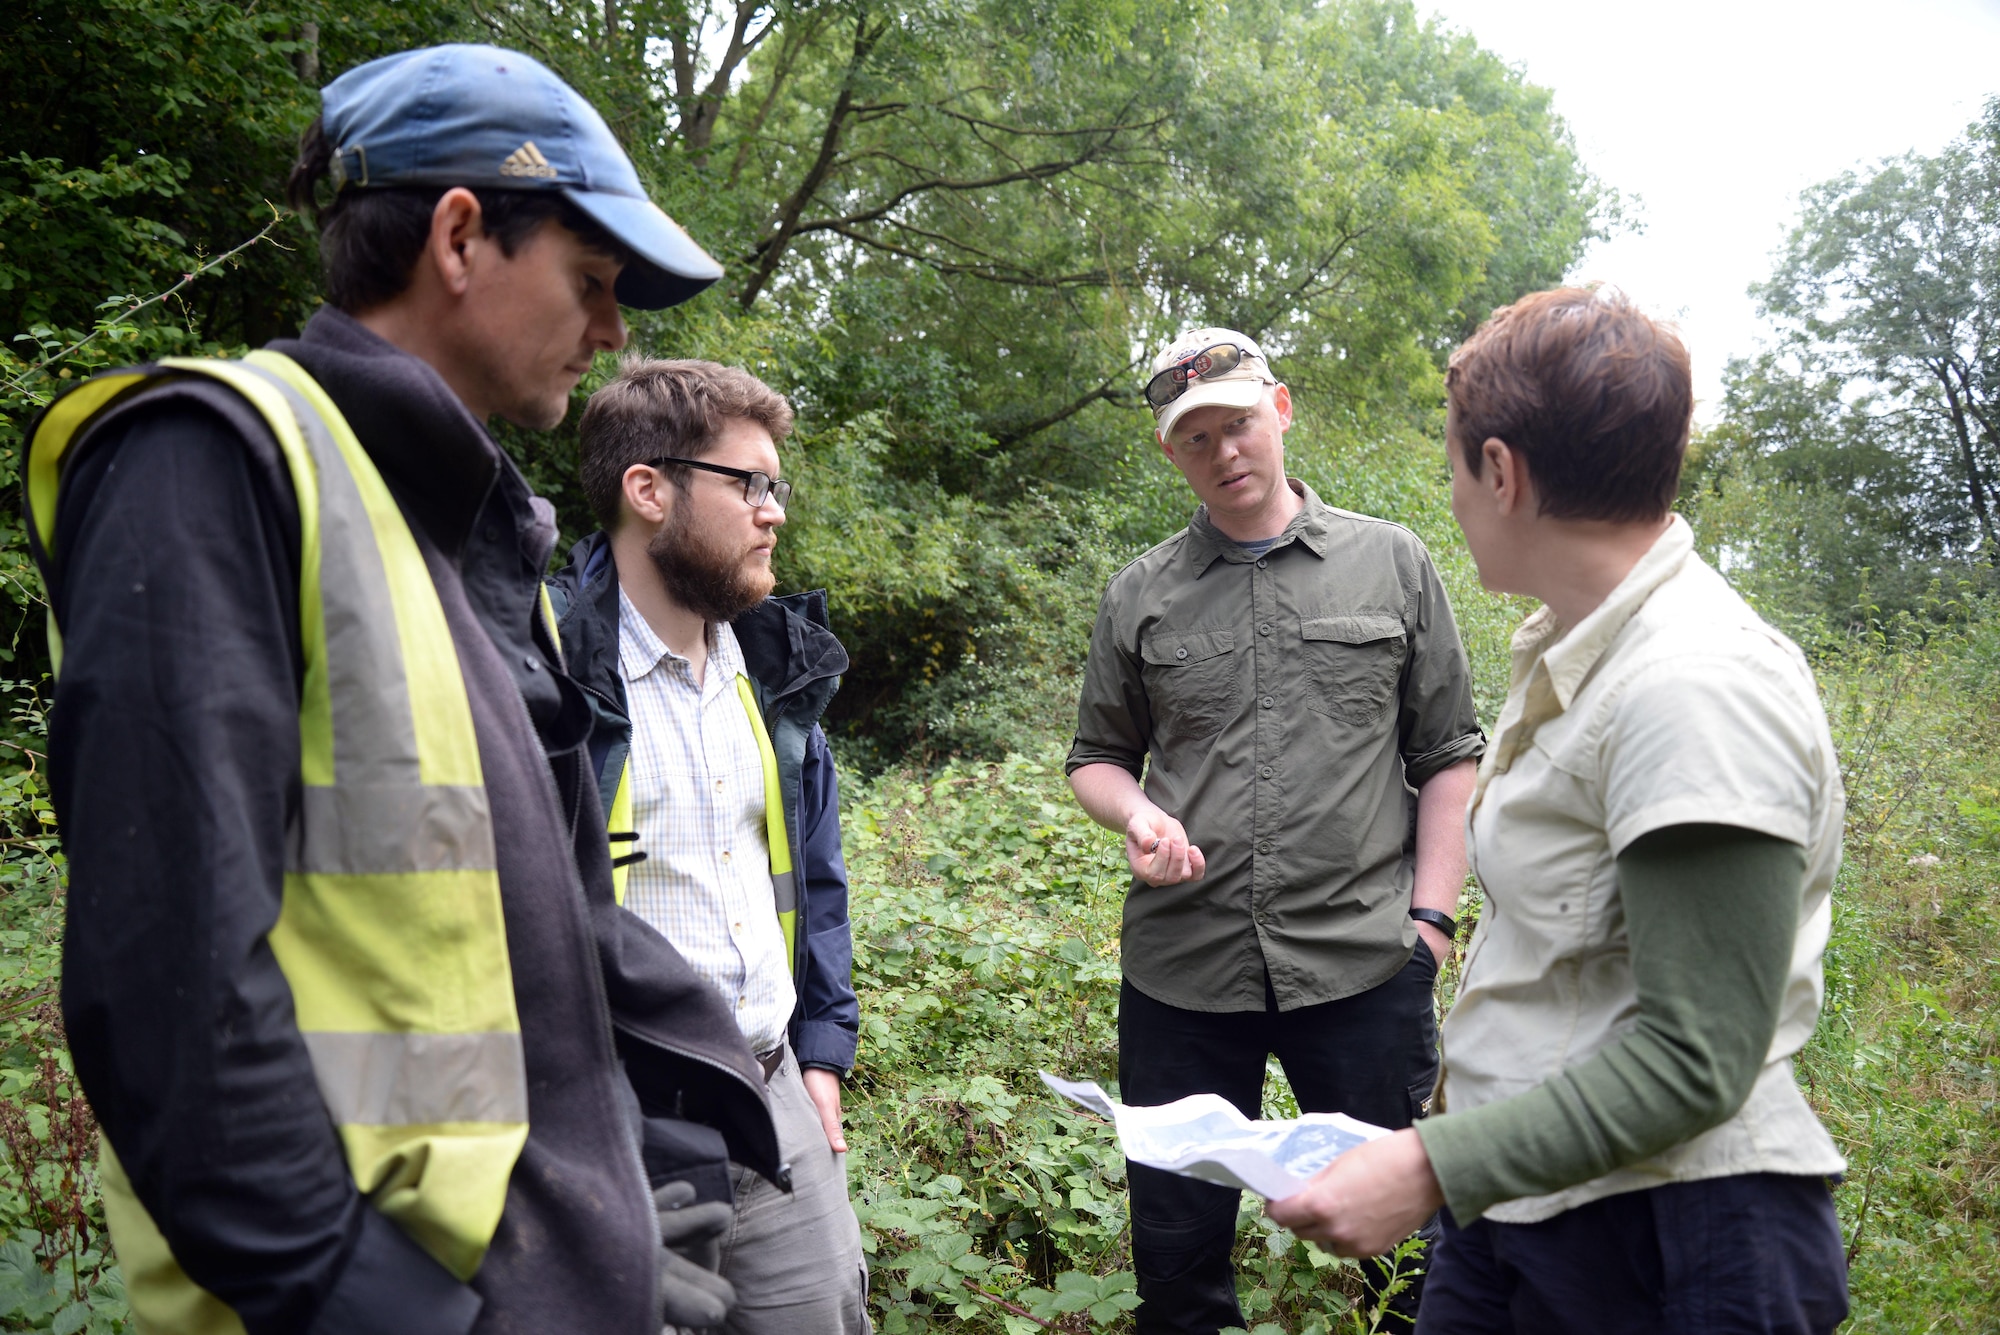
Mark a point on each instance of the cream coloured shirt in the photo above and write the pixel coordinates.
(1672, 703)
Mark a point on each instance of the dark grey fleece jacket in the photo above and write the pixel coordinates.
(174, 756)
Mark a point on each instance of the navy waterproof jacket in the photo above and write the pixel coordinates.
(794, 665)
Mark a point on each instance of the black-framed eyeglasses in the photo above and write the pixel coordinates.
(1216, 360)
(758, 486)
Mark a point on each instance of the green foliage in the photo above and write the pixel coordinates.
(1857, 462)
(1905, 1066)
(56, 1271)
(953, 229)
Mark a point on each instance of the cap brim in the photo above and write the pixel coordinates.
(668, 267)
(1228, 393)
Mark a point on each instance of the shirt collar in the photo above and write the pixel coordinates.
(640, 649)
(1205, 542)
(1569, 658)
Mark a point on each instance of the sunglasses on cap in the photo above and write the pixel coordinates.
(1211, 363)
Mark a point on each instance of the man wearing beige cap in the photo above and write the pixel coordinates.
(1287, 678)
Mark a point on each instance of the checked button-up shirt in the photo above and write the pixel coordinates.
(698, 805)
(1284, 708)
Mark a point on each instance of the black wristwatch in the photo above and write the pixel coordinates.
(1444, 922)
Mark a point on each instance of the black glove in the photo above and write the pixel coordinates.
(691, 1293)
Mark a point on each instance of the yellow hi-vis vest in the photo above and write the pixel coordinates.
(784, 885)
(390, 935)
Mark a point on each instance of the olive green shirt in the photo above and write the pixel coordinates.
(1290, 705)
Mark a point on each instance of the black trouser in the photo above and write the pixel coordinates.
(1757, 1254)
(1371, 1056)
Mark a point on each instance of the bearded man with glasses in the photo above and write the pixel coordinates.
(724, 811)
(1287, 679)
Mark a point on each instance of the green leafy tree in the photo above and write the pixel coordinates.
(1812, 502)
(1892, 278)
(953, 231)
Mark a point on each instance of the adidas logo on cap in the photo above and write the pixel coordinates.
(527, 160)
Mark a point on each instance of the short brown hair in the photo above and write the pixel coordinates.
(1595, 394)
(666, 407)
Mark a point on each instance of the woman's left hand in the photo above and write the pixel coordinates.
(1366, 1201)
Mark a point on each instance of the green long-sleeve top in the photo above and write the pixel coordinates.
(1710, 914)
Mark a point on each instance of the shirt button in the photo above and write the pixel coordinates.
(718, 785)
(741, 1002)
(1267, 702)
(1261, 563)
(725, 855)
(1265, 772)
(533, 663)
(1264, 847)
(1264, 629)
(1180, 653)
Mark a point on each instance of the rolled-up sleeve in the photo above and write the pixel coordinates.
(1114, 720)
(1437, 725)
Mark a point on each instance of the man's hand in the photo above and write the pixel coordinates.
(1439, 943)
(1157, 847)
(823, 1087)
(691, 1293)
(1367, 1200)
(1155, 844)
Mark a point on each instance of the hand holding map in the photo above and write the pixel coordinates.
(1203, 1136)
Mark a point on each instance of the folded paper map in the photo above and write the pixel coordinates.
(1203, 1136)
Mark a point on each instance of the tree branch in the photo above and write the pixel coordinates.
(1974, 487)
(992, 273)
(1105, 391)
(771, 252)
(698, 119)
(797, 38)
(1040, 171)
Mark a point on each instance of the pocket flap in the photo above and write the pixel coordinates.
(1361, 629)
(1178, 648)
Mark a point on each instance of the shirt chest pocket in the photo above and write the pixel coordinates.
(1190, 680)
(1352, 664)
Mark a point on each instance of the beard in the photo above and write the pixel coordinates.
(712, 579)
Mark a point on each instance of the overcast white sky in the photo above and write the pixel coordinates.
(1716, 113)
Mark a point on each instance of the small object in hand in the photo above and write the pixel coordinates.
(1152, 846)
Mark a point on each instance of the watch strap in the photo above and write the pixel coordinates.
(1444, 922)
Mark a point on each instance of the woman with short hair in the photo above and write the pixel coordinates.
(1619, 1143)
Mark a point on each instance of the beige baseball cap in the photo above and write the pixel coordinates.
(1198, 357)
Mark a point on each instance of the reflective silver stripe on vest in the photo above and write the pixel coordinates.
(379, 817)
(358, 830)
(419, 1079)
(785, 891)
(374, 735)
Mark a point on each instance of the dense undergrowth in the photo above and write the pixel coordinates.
(986, 924)
(986, 916)
(986, 913)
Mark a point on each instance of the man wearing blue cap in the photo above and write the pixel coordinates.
(372, 1046)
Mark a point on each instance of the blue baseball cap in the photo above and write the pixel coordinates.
(484, 117)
